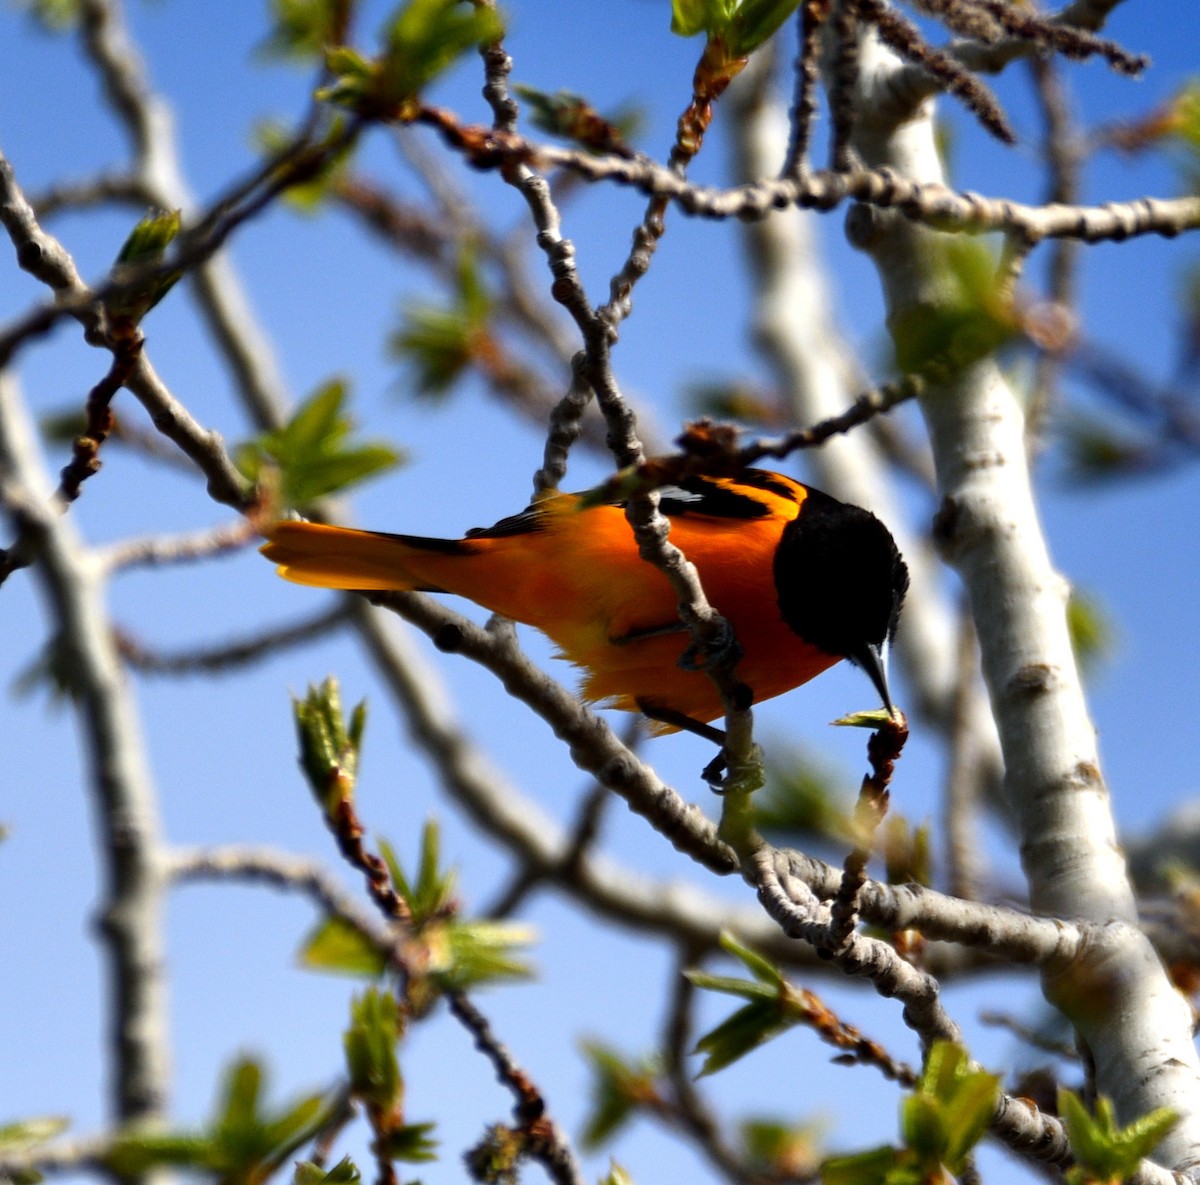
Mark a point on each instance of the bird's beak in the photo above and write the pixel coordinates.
(873, 660)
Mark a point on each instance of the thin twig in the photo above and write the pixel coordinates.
(281, 870)
(543, 1138)
(158, 550)
(229, 655)
(883, 751)
(811, 16)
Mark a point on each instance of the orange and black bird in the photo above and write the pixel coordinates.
(803, 579)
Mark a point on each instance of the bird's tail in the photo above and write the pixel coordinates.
(338, 557)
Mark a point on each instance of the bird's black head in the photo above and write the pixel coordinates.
(841, 582)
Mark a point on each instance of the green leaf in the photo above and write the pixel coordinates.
(412, 1142)
(238, 1121)
(774, 1006)
(802, 799)
(480, 952)
(944, 1118)
(395, 871)
(748, 1028)
(967, 1116)
(329, 748)
(310, 456)
(762, 969)
(134, 1155)
(428, 36)
(745, 988)
(153, 234)
(575, 119)
(145, 247)
(971, 318)
(432, 890)
(619, 1086)
(436, 343)
(440, 342)
(430, 895)
(307, 196)
(941, 1122)
(874, 718)
(370, 1047)
(345, 1172)
(303, 29)
(1093, 635)
(907, 852)
(876, 1166)
(779, 1149)
(55, 15)
(420, 41)
(743, 25)
(339, 947)
(689, 17)
(29, 1133)
(245, 1141)
(758, 20)
(616, 1175)
(1105, 1151)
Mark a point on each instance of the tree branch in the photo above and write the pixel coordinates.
(988, 527)
(131, 845)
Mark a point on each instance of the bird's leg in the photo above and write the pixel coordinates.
(653, 631)
(721, 653)
(676, 719)
(714, 772)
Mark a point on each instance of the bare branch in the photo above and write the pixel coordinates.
(280, 870)
(131, 846)
(229, 655)
(156, 550)
(929, 202)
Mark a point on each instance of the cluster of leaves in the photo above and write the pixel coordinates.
(421, 40)
(1106, 1153)
(311, 456)
(802, 800)
(1183, 124)
(940, 1122)
(329, 166)
(376, 1026)
(972, 318)
(246, 1142)
(329, 746)
(773, 1006)
(304, 29)
(440, 950)
(741, 26)
(27, 1135)
(624, 1087)
(439, 342)
(575, 119)
(621, 1087)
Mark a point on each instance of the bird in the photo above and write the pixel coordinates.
(803, 579)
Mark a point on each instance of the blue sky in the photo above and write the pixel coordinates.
(222, 749)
